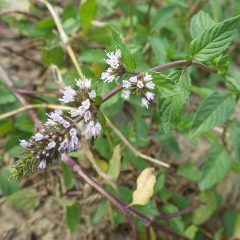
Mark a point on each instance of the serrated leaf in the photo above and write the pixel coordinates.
(214, 111)
(200, 22)
(88, 10)
(214, 40)
(172, 106)
(215, 168)
(127, 57)
(115, 163)
(233, 79)
(24, 199)
(73, 217)
(145, 185)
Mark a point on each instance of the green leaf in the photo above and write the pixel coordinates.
(24, 199)
(215, 168)
(97, 215)
(200, 22)
(115, 163)
(73, 216)
(7, 187)
(127, 57)
(233, 78)
(68, 176)
(234, 131)
(214, 111)
(205, 211)
(159, 182)
(5, 126)
(88, 10)
(53, 55)
(214, 40)
(177, 222)
(171, 107)
(189, 171)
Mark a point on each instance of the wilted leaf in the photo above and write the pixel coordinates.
(145, 185)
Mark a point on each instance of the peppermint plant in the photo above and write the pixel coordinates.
(159, 94)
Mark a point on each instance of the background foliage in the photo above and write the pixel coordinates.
(200, 140)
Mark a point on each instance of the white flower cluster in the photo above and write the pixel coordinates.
(143, 86)
(42, 144)
(88, 124)
(58, 132)
(114, 64)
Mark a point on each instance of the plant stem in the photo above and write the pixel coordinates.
(162, 67)
(116, 202)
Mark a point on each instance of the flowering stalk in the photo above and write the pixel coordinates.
(63, 133)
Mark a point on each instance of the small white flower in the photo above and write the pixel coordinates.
(125, 94)
(68, 95)
(51, 145)
(97, 129)
(50, 122)
(55, 116)
(147, 77)
(42, 164)
(80, 83)
(114, 59)
(86, 104)
(38, 137)
(63, 146)
(78, 112)
(145, 102)
(150, 85)
(108, 76)
(89, 129)
(92, 94)
(66, 124)
(74, 112)
(140, 84)
(149, 95)
(58, 111)
(133, 79)
(73, 132)
(73, 144)
(87, 116)
(126, 84)
(24, 143)
(87, 83)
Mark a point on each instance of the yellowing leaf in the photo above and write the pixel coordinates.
(145, 184)
(115, 163)
(102, 164)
